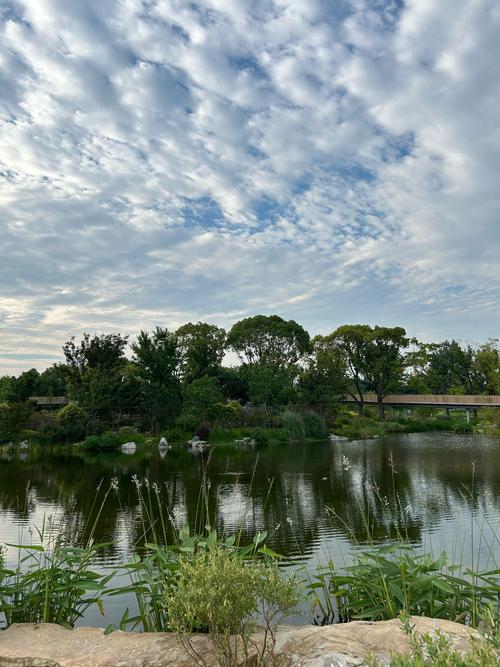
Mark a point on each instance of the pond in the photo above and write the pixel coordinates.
(314, 499)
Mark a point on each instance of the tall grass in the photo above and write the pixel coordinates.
(383, 582)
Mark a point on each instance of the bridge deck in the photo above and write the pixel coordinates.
(435, 400)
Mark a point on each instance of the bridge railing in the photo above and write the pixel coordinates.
(467, 400)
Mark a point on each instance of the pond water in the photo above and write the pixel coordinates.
(313, 499)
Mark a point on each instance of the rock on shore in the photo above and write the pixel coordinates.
(345, 645)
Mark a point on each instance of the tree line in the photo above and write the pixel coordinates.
(165, 377)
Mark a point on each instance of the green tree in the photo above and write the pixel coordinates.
(201, 397)
(26, 384)
(268, 339)
(201, 348)
(14, 417)
(95, 371)
(487, 367)
(384, 361)
(353, 341)
(157, 357)
(54, 381)
(323, 381)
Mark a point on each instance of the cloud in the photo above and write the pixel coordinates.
(167, 161)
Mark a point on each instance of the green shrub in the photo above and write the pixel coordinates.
(314, 425)
(279, 435)
(260, 435)
(129, 434)
(108, 441)
(72, 420)
(294, 424)
(220, 593)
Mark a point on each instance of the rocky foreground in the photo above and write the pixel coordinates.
(346, 645)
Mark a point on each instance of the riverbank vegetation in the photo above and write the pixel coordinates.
(173, 383)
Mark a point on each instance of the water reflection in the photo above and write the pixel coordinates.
(436, 488)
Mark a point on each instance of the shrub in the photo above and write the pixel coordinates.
(130, 434)
(108, 441)
(294, 424)
(314, 425)
(279, 435)
(72, 420)
(260, 435)
(220, 593)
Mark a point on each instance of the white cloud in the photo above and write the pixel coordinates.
(165, 161)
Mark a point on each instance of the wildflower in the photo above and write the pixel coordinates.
(114, 483)
(289, 522)
(346, 464)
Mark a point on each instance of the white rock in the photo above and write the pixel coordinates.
(129, 447)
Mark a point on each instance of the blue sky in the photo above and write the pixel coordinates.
(164, 161)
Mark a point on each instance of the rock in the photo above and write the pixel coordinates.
(24, 444)
(337, 437)
(129, 447)
(163, 444)
(245, 442)
(344, 645)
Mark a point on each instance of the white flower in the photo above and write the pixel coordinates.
(114, 483)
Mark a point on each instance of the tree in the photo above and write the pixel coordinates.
(323, 382)
(268, 339)
(384, 361)
(26, 385)
(487, 367)
(54, 381)
(270, 385)
(95, 370)
(157, 357)
(201, 348)
(200, 398)
(353, 341)
(13, 417)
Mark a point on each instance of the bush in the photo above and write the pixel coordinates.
(72, 420)
(294, 424)
(314, 425)
(219, 593)
(108, 441)
(130, 434)
(260, 435)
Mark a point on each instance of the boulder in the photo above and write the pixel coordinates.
(337, 437)
(129, 447)
(344, 645)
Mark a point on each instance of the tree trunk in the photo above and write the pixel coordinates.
(381, 408)
(361, 408)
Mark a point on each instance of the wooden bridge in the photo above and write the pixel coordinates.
(433, 400)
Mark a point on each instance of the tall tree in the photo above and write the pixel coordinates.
(201, 348)
(158, 358)
(323, 381)
(353, 341)
(384, 361)
(269, 339)
(95, 370)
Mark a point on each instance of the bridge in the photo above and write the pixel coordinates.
(465, 401)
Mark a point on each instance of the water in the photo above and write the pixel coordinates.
(442, 490)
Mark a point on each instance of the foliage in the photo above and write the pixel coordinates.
(52, 584)
(268, 339)
(157, 357)
(108, 441)
(260, 435)
(229, 413)
(323, 382)
(220, 593)
(13, 417)
(72, 419)
(201, 348)
(385, 582)
(270, 385)
(294, 424)
(201, 397)
(314, 425)
(436, 650)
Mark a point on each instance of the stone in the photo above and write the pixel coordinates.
(129, 447)
(337, 437)
(343, 645)
(24, 444)
(163, 443)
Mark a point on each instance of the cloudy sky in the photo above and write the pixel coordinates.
(164, 161)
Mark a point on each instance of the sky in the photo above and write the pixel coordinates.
(166, 161)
